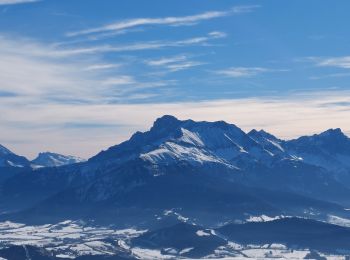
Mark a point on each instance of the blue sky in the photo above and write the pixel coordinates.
(77, 76)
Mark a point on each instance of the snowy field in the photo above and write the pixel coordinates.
(70, 239)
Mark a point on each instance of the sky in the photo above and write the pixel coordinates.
(78, 76)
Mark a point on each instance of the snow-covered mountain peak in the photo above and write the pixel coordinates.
(329, 149)
(49, 159)
(262, 134)
(333, 133)
(200, 142)
(333, 140)
(165, 122)
(270, 142)
(172, 124)
(171, 140)
(10, 159)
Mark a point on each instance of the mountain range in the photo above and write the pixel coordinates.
(199, 175)
(48, 159)
(44, 159)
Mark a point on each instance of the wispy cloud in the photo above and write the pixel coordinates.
(172, 21)
(242, 72)
(102, 67)
(184, 65)
(33, 73)
(27, 47)
(13, 2)
(175, 63)
(119, 81)
(30, 74)
(42, 94)
(166, 61)
(217, 34)
(338, 62)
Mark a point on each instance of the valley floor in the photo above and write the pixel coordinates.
(71, 239)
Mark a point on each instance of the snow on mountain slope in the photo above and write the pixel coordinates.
(268, 141)
(330, 150)
(49, 159)
(172, 152)
(200, 143)
(197, 144)
(9, 159)
(171, 140)
(174, 155)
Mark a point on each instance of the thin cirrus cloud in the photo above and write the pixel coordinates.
(242, 72)
(338, 62)
(36, 76)
(184, 65)
(217, 34)
(175, 63)
(121, 80)
(14, 2)
(102, 67)
(30, 79)
(47, 73)
(138, 46)
(171, 21)
(166, 61)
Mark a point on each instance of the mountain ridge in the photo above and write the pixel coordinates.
(184, 153)
(43, 159)
(49, 159)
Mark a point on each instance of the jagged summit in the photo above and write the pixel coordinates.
(262, 134)
(166, 121)
(10, 159)
(49, 159)
(168, 130)
(196, 142)
(333, 132)
(331, 137)
(330, 134)
(269, 142)
(171, 123)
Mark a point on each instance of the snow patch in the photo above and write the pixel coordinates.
(186, 250)
(263, 218)
(202, 233)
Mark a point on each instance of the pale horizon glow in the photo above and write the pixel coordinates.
(86, 130)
